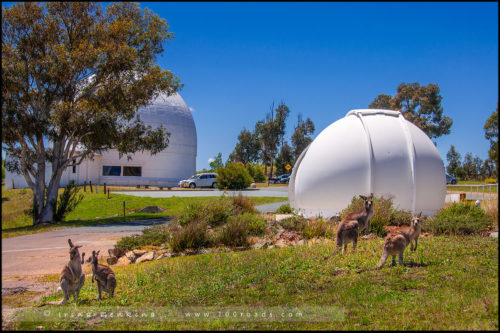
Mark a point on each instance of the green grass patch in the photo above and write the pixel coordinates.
(454, 286)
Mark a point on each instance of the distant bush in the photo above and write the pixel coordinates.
(234, 177)
(490, 181)
(384, 214)
(155, 235)
(294, 223)
(67, 201)
(284, 209)
(318, 228)
(243, 204)
(459, 218)
(234, 233)
(256, 171)
(193, 235)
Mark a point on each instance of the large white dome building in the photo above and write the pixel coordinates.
(368, 151)
(165, 169)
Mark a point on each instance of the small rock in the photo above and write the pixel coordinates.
(112, 260)
(279, 217)
(124, 261)
(280, 243)
(259, 245)
(253, 185)
(494, 234)
(205, 251)
(301, 242)
(130, 255)
(139, 253)
(189, 252)
(164, 255)
(369, 236)
(145, 257)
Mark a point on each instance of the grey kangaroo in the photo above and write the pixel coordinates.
(103, 274)
(351, 225)
(72, 276)
(396, 242)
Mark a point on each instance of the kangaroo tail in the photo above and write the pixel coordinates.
(383, 259)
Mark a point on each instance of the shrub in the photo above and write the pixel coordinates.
(192, 212)
(193, 235)
(490, 181)
(67, 201)
(294, 223)
(258, 175)
(284, 209)
(234, 233)
(155, 235)
(490, 207)
(317, 228)
(384, 214)
(234, 177)
(243, 204)
(459, 218)
(257, 225)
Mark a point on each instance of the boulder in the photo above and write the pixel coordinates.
(139, 253)
(253, 185)
(116, 252)
(280, 243)
(124, 261)
(112, 260)
(152, 209)
(164, 255)
(279, 217)
(130, 255)
(259, 245)
(148, 256)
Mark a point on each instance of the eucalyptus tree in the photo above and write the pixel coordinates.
(73, 77)
(420, 105)
(301, 137)
(491, 134)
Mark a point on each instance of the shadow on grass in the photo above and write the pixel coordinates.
(134, 219)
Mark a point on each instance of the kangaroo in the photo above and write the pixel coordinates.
(396, 242)
(72, 276)
(103, 274)
(350, 226)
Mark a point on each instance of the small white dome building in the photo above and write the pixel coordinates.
(165, 169)
(368, 151)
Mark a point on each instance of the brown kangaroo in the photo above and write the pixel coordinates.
(351, 225)
(397, 241)
(103, 274)
(72, 276)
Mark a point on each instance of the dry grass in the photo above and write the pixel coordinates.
(491, 209)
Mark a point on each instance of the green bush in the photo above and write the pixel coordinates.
(156, 235)
(67, 201)
(192, 212)
(193, 235)
(234, 233)
(460, 218)
(284, 209)
(257, 225)
(213, 211)
(318, 228)
(384, 214)
(294, 223)
(490, 181)
(242, 204)
(258, 175)
(234, 177)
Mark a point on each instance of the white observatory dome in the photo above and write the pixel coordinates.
(368, 151)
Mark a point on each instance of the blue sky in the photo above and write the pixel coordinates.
(324, 59)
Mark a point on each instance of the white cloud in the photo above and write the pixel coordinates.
(211, 159)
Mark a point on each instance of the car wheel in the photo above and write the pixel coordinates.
(192, 185)
(214, 185)
(453, 182)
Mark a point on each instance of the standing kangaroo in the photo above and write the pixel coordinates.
(103, 274)
(72, 276)
(396, 242)
(351, 225)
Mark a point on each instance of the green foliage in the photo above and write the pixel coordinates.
(454, 167)
(156, 235)
(234, 177)
(193, 236)
(284, 157)
(256, 171)
(216, 163)
(192, 212)
(318, 228)
(490, 181)
(460, 218)
(420, 105)
(235, 232)
(213, 211)
(384, 214)
(257, 225)
(491, 134)
(301, 137)
(247, 149)
(67, 201)
(294, 223)
(284, 209)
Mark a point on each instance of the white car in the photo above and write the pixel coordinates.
(200, 180)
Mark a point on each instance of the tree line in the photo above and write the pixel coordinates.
(266, 144)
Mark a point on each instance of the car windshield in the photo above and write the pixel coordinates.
(194, 177)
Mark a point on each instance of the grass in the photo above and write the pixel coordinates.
(454, 286)
(94, 209)
(466, 188)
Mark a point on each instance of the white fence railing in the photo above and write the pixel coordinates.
(479, 190)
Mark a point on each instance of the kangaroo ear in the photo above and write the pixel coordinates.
(97, 253)
(70, 243)
(371, 195)
(362, 197)
(78, 246)
(89, 259)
